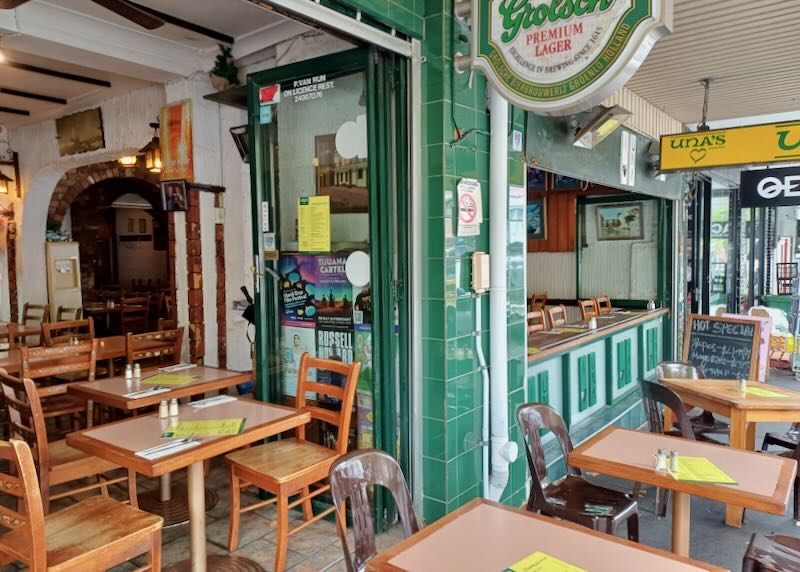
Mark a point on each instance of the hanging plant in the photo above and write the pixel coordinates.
(224, 73)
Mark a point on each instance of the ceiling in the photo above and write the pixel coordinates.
(747, 48)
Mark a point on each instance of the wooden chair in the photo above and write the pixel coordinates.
(787, 441)
(557, 315)
(16, 339)
(167, 324)
(537, 301)
(64, 313)
(63, 332)
(772, 553)
(603, 305)
(95, 534)
(57, 462)
(134, 313)
(705, 422)
(290, 467)
(168, 308)
(588, 309)
(154, 349)
(537, 321)
(35, 313)
(350, 478)
(568, 497)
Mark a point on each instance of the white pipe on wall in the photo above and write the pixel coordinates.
(486, 385)
(503, 451)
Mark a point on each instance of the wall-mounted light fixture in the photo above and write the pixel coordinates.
(4, 181)
(152, 151)
(600, 126)
(129, 161)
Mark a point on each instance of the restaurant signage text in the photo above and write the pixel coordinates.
(770, 187)
(564, 56)
(752, 145)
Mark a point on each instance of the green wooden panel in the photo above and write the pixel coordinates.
(621, 365)
(628, 362)
(583, 383)
(592, 380)
(544, 387)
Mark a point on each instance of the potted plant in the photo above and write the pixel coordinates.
(224, 73)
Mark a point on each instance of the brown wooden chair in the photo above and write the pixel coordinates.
(168, 309)
(569, 497)
(57, 462)
(291, 467)
(537, 301)
(702, 424)
(167, 324)
(65, 331)
(154, 349)
(603, 305)
(16, 339)
(537, 321)
(772, 553)
(350, 477)
(134, 313)
(557, 316)
(35, 314)
(588, 309)
(95, 534)
(792, 453)
(63, 313)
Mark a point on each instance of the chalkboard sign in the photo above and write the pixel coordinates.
(724, 348)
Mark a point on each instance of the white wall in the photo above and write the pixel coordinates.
(138, 260)
(551, 272)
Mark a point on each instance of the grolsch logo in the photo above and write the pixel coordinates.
(770, 187)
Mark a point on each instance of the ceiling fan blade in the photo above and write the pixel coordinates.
(129, 12)
(11, 4)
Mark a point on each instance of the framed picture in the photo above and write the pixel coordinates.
(621, 221)
(564, 183)
(537, 179)
(537, 222)
(343, 180)
(80, 132)
(173, 195)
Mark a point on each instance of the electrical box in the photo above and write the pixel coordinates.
(480, 272)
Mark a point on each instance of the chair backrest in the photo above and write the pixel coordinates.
(169, 307)
(350, 477)
(36, 363)
(654, 395)
(167, 324)
(134, 311)
(348, 373)
(155, 349)
(536, 321)
(603, 304)
(537, 301)
(678, 370)
(588, 308)
(21, 483)
(63, 332)
(35, 313)
(557, 315)
(64, 313)
(16, 339)
(532, 418)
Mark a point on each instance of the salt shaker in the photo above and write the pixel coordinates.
(661, 460)
(743, 385)
(674, 467)
(173, 407)
(163, 409)
(128, 372)
(137, 372)
(592, 323)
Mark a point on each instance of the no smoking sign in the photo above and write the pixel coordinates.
(470, 214)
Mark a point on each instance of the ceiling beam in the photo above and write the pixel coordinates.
(30, 95)
(186, 25)
(56, 73)
(14, 111)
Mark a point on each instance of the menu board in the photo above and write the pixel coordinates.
(723, 348)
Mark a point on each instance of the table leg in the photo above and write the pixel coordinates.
(165, 487)
(669, 419)
(681, 517)
(740, 435)
(197, 515)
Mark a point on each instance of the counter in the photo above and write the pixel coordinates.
(579, 371)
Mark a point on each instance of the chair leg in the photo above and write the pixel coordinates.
(341, 518)
(796, 498)
(155, 552)
(633, 527)
(236, 507)
(103, 488)
(133, 494)
(662, 496)
(308, 511)
(283, 531)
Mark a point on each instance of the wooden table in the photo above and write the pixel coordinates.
(118, 442)
(23, 330)
(723, 397)
(764, 481)
(485, 536)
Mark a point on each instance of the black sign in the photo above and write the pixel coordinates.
(723, 348)
(771, 187)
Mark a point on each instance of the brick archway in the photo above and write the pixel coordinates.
(77, 180)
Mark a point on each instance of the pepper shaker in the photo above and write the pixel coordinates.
(137, 372)
(128, 372)
(743, 385)
(173, 407)
(674, 467)
(661, 460)
(163, 409)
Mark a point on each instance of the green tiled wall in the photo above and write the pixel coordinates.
(452, 383)
(404, 15)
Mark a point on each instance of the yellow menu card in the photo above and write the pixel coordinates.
(541, 562)
(700, 470)
(205, 428)
(169, 379)
(314, 223)
(760, 392)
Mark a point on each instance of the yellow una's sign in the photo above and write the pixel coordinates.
(768, 143)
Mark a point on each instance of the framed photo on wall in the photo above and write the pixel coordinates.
(564, 183)
(537, 180)
(621, 221)
(173, 195)
(537, 219)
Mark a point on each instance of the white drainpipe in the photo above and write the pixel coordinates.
(503, 451)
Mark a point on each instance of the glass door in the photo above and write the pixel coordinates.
(328, 168)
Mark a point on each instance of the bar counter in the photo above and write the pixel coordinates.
(579, 371)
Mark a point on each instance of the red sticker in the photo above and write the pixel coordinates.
(269, 94)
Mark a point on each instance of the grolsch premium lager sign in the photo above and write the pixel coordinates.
(563, 56)
(770, 187)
